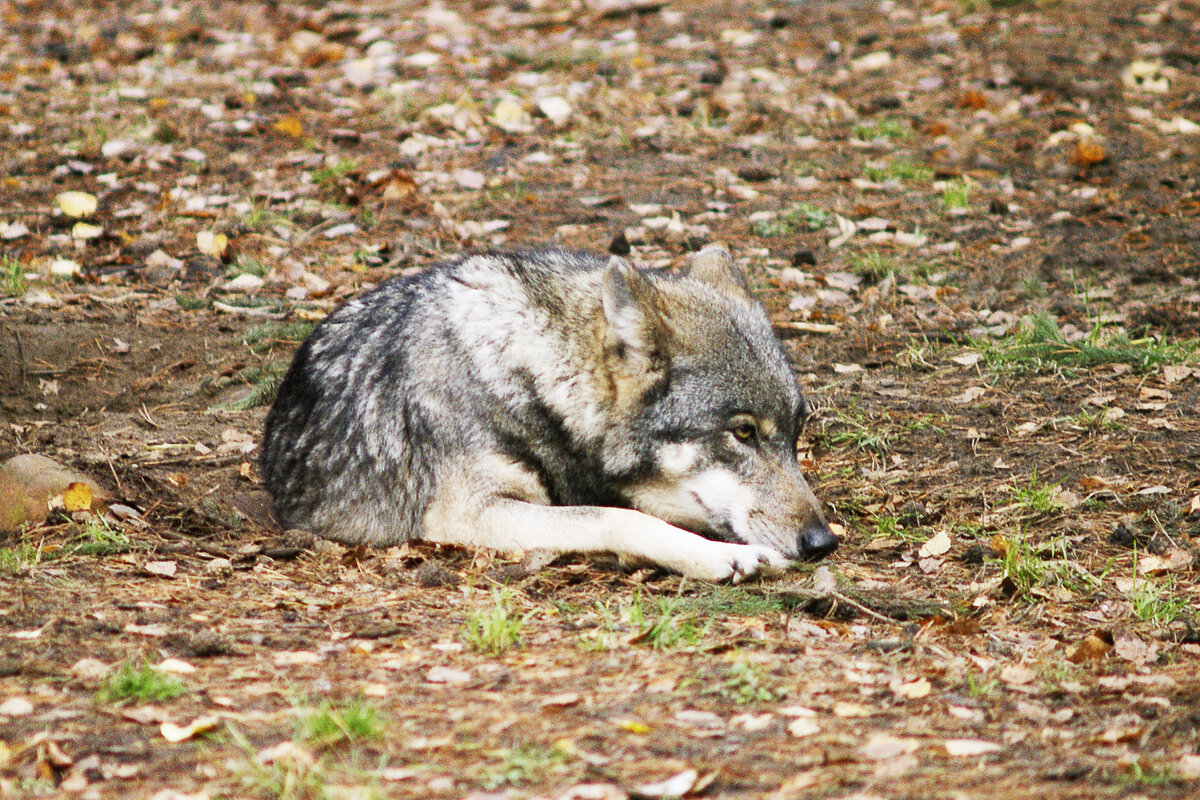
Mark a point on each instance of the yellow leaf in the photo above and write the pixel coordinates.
(212, 244)
(77, 204)
(77, 497)
(290, 126)
(84, 230)
(177, 733)
(633, 726)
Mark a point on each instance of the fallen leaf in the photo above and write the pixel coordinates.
(77, 204)
(969, 395)
(1088, 153)
(676, 786)
(970, 747)
(938, 544)
(1188, 767)
(804, 726)
(1135, 650)
(77, 497)
(164, 569)
(146, 630)
(633, 726)
(85, 230)
(448, 675)
(175, 733)
(176, 666)
(561, 700)
(64, 268)
(1089, 648)
(1017, 675)
(883, 747)
(912, 690)
(967, 359)
(16, 707)
(290, 126)
(213, 244)
(1194, 505)
(847, 710)
(1174, 373)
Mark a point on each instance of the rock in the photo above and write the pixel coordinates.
(28, 481)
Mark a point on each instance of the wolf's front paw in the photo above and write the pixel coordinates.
(736, 562)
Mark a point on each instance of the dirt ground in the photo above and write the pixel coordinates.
(977, 226)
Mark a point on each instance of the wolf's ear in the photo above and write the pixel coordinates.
(713, 265)
(633, 322)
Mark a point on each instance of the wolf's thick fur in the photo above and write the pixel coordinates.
(550, 400)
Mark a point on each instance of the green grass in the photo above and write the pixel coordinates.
(901, 169)
(525, 764)
(744, 682)
(140, 682)
(12, 276)
(190, 303)
(1037, 346)
(1152, 602)
(981, 688)
(806, 215)
(327, 176)
(495, 628)
(21, 558)
(734, 601)
(1023, 567)
(672, 623)
(957, 194)
(99, 539)
(285, 778)
(856, 431)
(269, 334)
(1036, 498)
(887, 527)
(247, 265)
(883, 129)
(327, 723)
(260, 217)
(264, 380)
(1097, 421)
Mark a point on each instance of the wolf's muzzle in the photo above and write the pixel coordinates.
(817, 541)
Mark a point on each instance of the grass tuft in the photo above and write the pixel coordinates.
(327, 724)
(140, 682)
(495, 628)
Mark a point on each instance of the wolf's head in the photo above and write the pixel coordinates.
(711, 411)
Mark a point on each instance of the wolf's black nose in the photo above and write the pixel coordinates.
(817, 541)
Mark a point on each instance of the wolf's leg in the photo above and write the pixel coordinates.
(505, 524)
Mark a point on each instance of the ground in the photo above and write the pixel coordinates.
(976, 225)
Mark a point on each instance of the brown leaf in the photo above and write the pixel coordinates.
(1089, 648)
(1087, 153)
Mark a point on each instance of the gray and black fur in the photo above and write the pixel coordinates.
(527, 400)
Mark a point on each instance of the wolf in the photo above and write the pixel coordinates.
(551, 400)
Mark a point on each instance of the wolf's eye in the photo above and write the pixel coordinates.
(745, 432)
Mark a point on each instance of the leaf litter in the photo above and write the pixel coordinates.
(1016, 586)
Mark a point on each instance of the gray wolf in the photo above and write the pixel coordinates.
(551, 400)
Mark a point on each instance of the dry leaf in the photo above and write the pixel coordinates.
(676, 786)
(913, 690)
(77, 204)
(883, 747)
(1135, 650)
(174, 733)
(77, 497)
(969, 395)
(85, 230)
(290, 126)
(1174, 373)
(967, 359)
(1017, 675)
(804, 726)
(970, 747)
(849, 710)
(633, 726)
(1087, 153)
(176, 666)
(165, 569)
(938, 544)
(213, 244)
(1194, 505)
(1089, 648)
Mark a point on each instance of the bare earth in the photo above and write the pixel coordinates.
(976, 225)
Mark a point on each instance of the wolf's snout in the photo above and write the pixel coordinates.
(817, 541)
